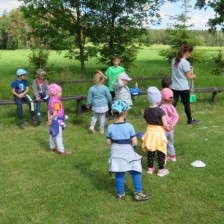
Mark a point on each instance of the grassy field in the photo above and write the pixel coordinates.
(42, 188)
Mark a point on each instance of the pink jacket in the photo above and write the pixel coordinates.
(171, 116)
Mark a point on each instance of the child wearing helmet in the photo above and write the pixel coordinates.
(40, 90)
(172, 119)
(121, 136)
(20, 88)
(154, 139)
(56, 119)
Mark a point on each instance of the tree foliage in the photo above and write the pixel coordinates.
(218, 7)
(112, 26)
(178, 33)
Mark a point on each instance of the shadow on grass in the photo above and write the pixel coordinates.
(102, 181)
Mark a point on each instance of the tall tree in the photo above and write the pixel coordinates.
(113, 26)
(218, 7)
(116, 26)
(4, 29)
(58, 25)
(179, 32)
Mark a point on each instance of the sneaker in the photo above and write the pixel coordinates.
(121, 197)
(193, 121)
(150, 170)
(39, 119)
(34, 122)
(141, 196)
(53, 150)
(91, 129)
(102, 131)
(162, 173)
(171, 158)
(22, 125)
(66, 152)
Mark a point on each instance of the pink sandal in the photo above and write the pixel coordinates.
(66, 152)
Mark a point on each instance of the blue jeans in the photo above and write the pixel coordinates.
(38, 103)
(170, 145)
(19, 104)
(120, 179)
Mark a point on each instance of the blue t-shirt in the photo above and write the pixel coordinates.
(120, 133)
(19, 86)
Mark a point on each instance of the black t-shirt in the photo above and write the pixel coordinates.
(154, 115)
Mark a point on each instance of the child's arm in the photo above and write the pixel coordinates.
(108, 141)
(134, 141)
(51, 117)
(145, 122)
(101, 74)
(164, 121)
(20, 95)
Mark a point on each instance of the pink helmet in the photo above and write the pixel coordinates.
(54, 89)
(167, 94)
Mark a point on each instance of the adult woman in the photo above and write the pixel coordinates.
(181, 73)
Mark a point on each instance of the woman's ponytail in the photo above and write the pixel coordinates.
(183, 49)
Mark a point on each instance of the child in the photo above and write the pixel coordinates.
(40, 89)
(121, 89)
(154, 139)
(99, 97)
(112, 73)
(56, 119)
(20, 88)
(121, 137)
(172, 118)
(166, 83)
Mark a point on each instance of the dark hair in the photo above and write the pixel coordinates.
(116, 114)
(116, 57)
(183, 49)
(166, 82)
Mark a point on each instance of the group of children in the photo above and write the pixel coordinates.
(160, 119)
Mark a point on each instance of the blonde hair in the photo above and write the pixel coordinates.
(98, 78)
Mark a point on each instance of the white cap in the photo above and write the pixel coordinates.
(124, 76)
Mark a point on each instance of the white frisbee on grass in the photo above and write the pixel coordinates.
(198, 163)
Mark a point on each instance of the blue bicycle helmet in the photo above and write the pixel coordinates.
(120, 106)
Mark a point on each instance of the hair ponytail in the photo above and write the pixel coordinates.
(183, 49)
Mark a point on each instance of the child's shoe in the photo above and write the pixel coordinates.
(102, 131)
(22, 125)
(150, 170)
(39, 119)
(53, 150)
(163, 172)
(121, 197)
(66, 152)
(91, 129)
(171, 158)
(141, 196)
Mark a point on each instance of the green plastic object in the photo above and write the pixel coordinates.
(193, 98)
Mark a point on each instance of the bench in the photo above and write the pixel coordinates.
(78, 99)
(213, 90)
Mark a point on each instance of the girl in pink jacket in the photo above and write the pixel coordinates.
(172, 118)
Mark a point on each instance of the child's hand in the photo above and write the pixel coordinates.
(49, 122)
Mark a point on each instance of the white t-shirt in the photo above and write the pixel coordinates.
(179, 80)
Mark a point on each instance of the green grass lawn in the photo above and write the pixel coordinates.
(42, 188)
